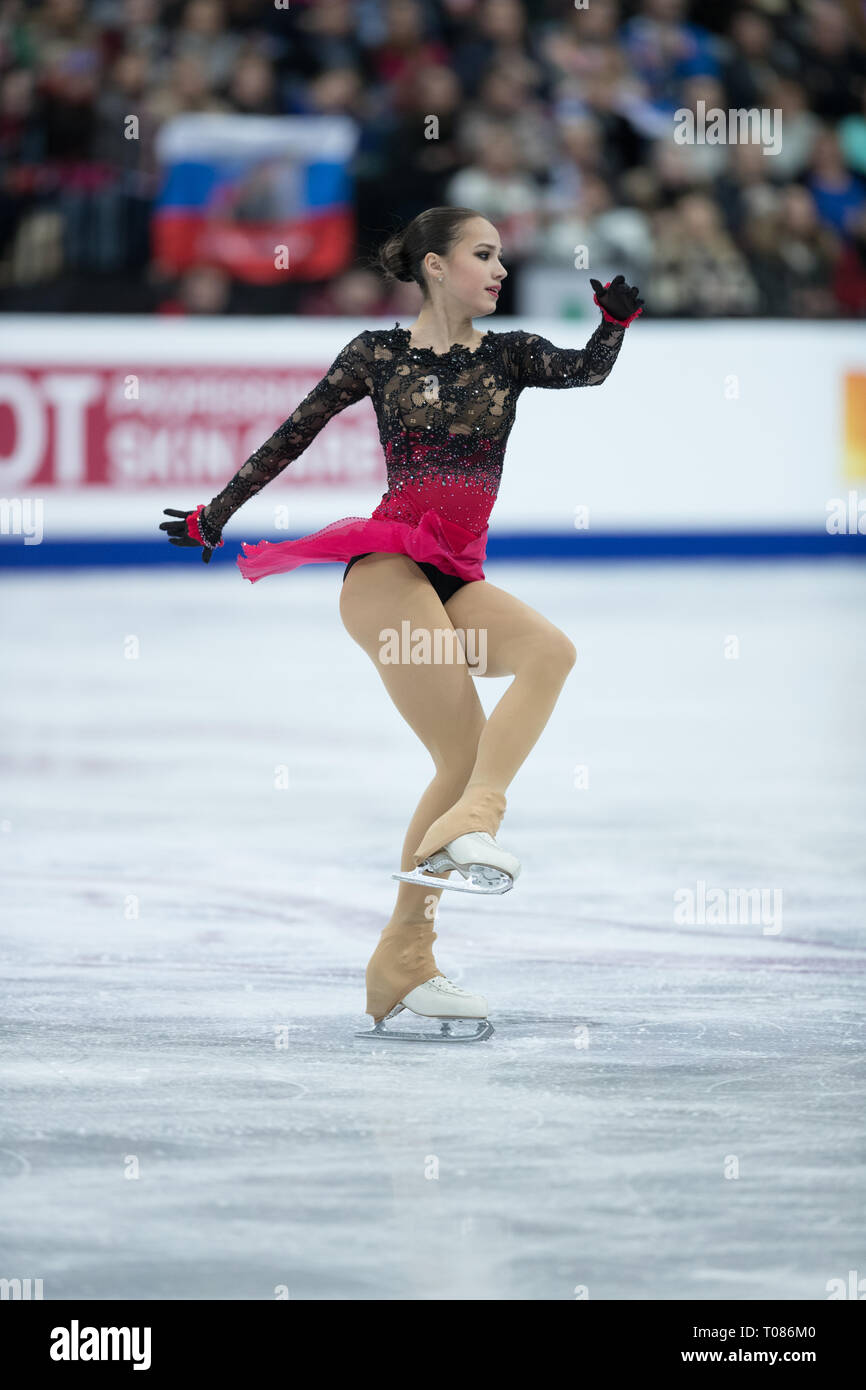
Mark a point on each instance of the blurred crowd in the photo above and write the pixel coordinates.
(553, 118)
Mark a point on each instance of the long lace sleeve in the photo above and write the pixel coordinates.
(347, 380)
(534, 361)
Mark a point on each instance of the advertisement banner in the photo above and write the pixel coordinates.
(711, 438)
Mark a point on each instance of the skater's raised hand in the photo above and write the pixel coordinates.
(618, 302)
(188, 531)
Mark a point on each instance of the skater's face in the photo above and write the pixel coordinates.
(473, 271)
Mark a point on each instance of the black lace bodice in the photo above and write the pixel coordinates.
(444, 418)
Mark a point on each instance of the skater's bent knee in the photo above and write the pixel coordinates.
(555, 655)
(569, 652)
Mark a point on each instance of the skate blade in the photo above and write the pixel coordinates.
(482, 879)
(482, 1029)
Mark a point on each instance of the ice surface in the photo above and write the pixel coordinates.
(171, 915)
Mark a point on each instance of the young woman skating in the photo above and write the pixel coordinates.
(445, 397)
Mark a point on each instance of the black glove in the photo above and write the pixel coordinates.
(617, 300)
(178, 532)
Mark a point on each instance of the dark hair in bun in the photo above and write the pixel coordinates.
(437, 229)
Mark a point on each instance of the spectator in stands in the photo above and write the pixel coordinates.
(852, 138)
(580, 154)
(753, 59)
(673, 169)
(810, 251)
(837, 192)
(125, 92)
(317, 41)
(137, 28)
(498, 186)
(697, 268)
(428, 155)
(747, 189)
(832, 66)
(791, 256)
(336, 93)
(187, 87)
(22, 135)
(253, 87)
(664, 49)
(203, 289)
(849, 281)
(800, 128)
(581, 44)
(62, 29)
(70, 68)
(606, 95)
(203, 35)
(505, 100)
(406, 48)
(499, 35)
(610, 234)
(357, 293)
(706, 161)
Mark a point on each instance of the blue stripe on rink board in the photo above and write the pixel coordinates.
(674, 545)
(88, 551)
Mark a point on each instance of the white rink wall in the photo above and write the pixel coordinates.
(711, 432)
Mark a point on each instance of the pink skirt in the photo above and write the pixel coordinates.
(435, 539)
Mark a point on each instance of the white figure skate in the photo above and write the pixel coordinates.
(443, 1001)
(483, 866)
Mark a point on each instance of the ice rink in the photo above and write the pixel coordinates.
(205, 791)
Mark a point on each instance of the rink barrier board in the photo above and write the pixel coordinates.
(105, 419)
(87, 552)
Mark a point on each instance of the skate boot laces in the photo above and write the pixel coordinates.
(444, 986)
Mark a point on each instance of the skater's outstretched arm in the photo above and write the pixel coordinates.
(346, 381)
(537, 362)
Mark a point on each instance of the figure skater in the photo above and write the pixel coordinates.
(445, 397)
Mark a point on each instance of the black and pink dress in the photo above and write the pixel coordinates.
(444, 420)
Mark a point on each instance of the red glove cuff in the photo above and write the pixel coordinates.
(192, 528)
(623, 323)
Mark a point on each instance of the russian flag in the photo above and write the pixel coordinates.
(264, 197)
